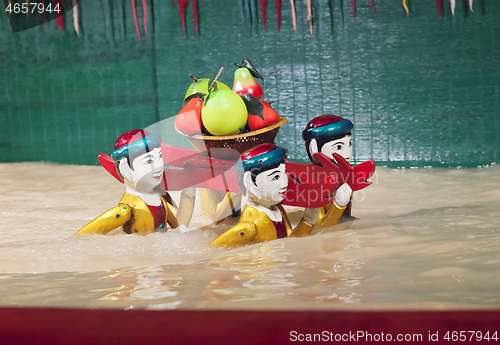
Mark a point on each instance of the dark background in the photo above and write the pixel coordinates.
(420, 92)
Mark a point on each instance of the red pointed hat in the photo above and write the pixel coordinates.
(263, 155)
(327, 126)
(130, 136)
(134, 141)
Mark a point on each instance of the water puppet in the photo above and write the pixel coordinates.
(263, 180)
(218, 205)
(330, 135)
(145, 207)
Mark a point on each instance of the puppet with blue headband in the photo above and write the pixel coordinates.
(329, 134)
(263, 180)
(145, 207)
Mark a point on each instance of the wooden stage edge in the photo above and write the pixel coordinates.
(104, 326)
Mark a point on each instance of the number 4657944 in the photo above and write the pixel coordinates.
(32, 7)
(470, 336)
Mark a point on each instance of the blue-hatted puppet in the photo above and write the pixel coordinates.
(145, 207)
(331, 136)
(263, 179)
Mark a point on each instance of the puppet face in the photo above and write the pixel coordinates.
(270, 185)
(342, 146)
(147, 171)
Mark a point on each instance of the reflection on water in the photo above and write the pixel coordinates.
(145, 284)
(425, 239)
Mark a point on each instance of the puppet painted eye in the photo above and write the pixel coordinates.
(339, 147)
(276, 177)
(350, 142)
(149, 161)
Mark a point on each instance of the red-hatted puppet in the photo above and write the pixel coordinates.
(144, 208)
(263, 179)
(329, 135)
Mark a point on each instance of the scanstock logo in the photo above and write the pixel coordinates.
(26, 14)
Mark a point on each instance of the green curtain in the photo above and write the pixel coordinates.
(420, 92)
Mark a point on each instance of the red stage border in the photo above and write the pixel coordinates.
(104, 326)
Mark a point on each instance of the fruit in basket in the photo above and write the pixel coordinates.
(224, 113)
(201, 86)
(269, 117)
(260, 113)
(188, 120)
(244, 81)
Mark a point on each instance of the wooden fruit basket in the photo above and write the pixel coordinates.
(230, 147)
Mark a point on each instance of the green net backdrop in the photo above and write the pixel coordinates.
(420, 92)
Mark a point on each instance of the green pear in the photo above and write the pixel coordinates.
(224, 113)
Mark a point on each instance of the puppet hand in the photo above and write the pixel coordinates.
(343, 195)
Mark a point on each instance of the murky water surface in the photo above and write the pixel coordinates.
(425, 239)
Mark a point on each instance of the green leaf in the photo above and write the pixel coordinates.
(210, 81)
(199, 95)
(254, 105)
(207, 98)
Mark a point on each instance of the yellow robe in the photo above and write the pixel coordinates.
(332, 214)
(132, 214)
(255, 226)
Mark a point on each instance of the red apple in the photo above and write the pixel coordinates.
(269, 117)
(188, 120)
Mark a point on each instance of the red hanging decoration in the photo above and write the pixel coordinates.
(263, 5)
(134, 12)
(278, 12)
(59, 15)
(195, 15)
(372, 4)
(182, 6)
(439, 8)
(43, 6)
(182, 10)
(145, 10)
(354, 8)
